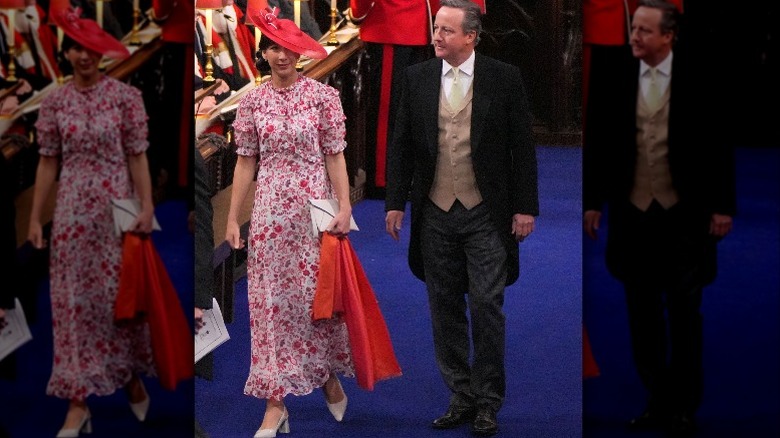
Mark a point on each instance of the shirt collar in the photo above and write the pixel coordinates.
(665, 67)
(466, 67)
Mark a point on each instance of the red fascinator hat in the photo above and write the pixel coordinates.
(88, 34)
(286, 33)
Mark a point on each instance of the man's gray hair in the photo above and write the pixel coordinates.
(472, 15)
(670, 16)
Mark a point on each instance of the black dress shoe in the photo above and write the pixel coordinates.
(649, 420)
(485, 423)
(682, 425)
(455, 416)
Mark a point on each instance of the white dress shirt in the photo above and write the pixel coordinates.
(663, 75)
(466, 75)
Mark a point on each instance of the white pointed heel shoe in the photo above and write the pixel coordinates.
(84, 426)
(339, 408)
(142, 407)
(282, 426)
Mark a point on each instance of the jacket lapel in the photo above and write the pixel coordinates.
(429, 103)
(480, 103)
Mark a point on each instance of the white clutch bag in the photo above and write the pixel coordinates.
(322, 212)
(125, 211)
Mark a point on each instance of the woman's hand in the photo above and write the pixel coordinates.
(143, 222)
(35, 235)
(233, 235)
(339, 226)
(198, 319)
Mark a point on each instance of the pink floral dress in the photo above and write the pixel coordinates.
(289, 130)
(92, 131)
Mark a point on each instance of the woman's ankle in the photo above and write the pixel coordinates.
(77, 404)
(274, 403)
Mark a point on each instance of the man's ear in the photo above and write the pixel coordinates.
(668, 37)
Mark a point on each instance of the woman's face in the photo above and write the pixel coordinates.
(85, 62)
(281, 60)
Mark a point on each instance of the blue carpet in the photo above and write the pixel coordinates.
(741, 326)
(26, 411)
(543, 336)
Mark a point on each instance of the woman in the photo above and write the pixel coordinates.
(291, 129)
(95, 127)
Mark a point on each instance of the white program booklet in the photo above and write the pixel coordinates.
(14, 331)
(212, 334)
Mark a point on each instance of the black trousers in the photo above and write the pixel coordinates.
(666, 338)
(663, 257)
(464, 257)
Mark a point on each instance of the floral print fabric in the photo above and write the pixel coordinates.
(92, 130)
(289, 130)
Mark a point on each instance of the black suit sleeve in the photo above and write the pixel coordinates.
(400, 160)
(524, 189)
(204, 236)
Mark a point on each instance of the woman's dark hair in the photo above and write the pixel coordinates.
(67, 43)
(262, 65)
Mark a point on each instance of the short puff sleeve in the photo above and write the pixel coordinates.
(331, 125)
(48, 132)
(134, 128)
(244, 129)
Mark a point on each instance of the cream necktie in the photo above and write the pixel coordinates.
(456, 92)
(653, 97)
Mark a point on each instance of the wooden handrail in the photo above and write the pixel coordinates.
(321, 69)
(122, 70)
(208, 91)
(10, 90)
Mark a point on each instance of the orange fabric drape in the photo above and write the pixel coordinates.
(342, 287)
(146, 291)
(589, 366)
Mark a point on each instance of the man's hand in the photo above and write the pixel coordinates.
(522, 226)
(720, 225)
(393, 221)
(591, 222)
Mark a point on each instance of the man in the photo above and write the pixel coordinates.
(654, 155)
(463, 148)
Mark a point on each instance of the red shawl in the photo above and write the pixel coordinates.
(146, 291)
(342, 287)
